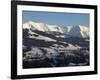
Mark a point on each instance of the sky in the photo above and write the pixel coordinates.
(56, 18)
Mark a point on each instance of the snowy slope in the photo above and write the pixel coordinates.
(35, 26)
(39, 37)
(66, 29)
(54, 28)
(42, 27)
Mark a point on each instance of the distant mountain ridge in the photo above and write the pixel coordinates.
(72, 31)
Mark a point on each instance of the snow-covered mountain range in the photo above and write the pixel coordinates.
(46, 45)
(72, 31)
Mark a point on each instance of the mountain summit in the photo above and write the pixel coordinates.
(79, 31)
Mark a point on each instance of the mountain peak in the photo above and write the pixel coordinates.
(79, 31)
